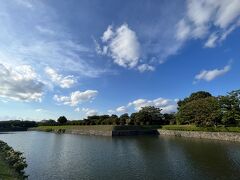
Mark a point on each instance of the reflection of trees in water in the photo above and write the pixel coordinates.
(210, 158)
(185, 158)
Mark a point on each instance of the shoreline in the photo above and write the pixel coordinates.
(113, 132)
(224, 136)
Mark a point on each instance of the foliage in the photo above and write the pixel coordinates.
(201, 111)
(147, 115)
(62, 120)
(169, 118)
(123, 119)
(193, 97)
(219, 128)
(15, 159)
(230, 108)
(16, 125)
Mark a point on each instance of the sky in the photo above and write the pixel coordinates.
(79, 58)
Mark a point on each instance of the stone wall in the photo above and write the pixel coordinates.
(227, 136)
(114, 132)
(134, 132)
(90, 132)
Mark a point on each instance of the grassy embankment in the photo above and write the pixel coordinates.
(112, 127)
(204, 129)
(6, 172)
(92, 128)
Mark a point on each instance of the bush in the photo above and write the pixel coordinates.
(15, 159)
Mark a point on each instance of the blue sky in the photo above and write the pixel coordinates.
(78, 57)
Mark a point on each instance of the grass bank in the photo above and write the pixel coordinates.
(93, 128)
(6, 172)
(74, 127)
(12, 163)
(204, 129)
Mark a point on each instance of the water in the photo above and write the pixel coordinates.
(54, 156)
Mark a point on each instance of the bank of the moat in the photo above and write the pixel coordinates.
(134, 131)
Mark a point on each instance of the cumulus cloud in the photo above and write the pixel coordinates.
(209, 75)
(145, 67)
(122, 45)
(122, 109)
(204, 18)
(87, 111)
(110, 111)
(20, 83)
(108, 34)
(62, 81)
(76, 97)
(167, 105)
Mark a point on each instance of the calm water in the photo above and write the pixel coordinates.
(53, 156)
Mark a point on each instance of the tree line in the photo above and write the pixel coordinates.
(16, 125)
(200, 108)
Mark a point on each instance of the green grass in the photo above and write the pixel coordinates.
(93, 128)
(137, 127)
(206, 129)
(6, 172)
(145, 127)
(75, 127)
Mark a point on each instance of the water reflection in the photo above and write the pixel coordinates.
(54, 156)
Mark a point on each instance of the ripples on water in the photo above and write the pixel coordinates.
(54, 156)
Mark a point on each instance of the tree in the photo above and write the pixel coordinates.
(230, 108)
(169, 118)
(147, 115)
(193, 97)
(202, 112)
(123, 119)
(62, 120)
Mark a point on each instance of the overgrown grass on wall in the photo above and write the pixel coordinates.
(195, 128)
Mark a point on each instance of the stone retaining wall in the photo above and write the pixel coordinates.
(134, 132)
(90, 132)
(227, 136)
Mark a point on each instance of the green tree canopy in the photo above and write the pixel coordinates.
(147, 115)
(62, 120)
(194, 96)
(201, 111)
(124, 118)
(230, 107)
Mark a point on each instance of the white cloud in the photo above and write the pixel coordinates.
(228, 11)
(40, 110)
(62, 81)
(40, 40)
(87, 111)
(110, 111)
(45, 30)
(211, 42)
(214, 19)
(167, 105)
(25, 3)
(145, 67)
(122, 109)
(76, 97)
(209, 75)
(108, 34)
(20, 83)
(121, 45)
(183, 30)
